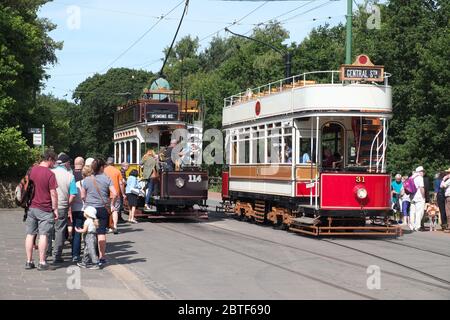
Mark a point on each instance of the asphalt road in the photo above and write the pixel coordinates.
(222, 258)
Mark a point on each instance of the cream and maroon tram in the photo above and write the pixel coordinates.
(151, 122)
(308, 153)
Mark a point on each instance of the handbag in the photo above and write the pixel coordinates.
(111, 222)
(135, 191)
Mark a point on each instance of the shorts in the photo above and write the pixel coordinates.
(103, 220)
(132, 200)
(39, 222)
(405, 208)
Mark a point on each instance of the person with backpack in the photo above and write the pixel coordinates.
(43, 209)
(416, 188)
(406, 203)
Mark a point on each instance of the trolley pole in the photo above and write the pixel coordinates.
(348, 39)
(43, 139)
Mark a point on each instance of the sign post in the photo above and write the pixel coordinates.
(43, 139)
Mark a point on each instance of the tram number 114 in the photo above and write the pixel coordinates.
(195, 178)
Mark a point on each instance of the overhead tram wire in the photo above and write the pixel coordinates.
(234, 22)
(141, 37)
(328, 2)
(174, 38)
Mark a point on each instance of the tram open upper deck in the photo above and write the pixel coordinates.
(309, 152)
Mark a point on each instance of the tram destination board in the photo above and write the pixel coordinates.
(362, 73)
(162, 116)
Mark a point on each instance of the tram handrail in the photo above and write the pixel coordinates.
(292, 82)
(371, 149)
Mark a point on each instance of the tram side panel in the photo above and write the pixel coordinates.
(347, 193)
(344, 194)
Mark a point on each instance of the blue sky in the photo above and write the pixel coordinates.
(97, 32)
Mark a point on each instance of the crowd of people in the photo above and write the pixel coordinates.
(413, 204)
(84, 202)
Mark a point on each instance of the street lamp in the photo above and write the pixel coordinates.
(286, 54)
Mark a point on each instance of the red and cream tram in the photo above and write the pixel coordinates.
(308, 153)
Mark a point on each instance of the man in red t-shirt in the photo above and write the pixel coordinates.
(43, 209)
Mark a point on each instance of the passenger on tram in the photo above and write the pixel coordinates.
(151, 169)
(288, 154)
(338, 160)
(169, 164)
(328, 159)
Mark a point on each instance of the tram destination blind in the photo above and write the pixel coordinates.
(362, 73)
(161, 116)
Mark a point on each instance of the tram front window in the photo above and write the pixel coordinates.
(164, 139)
(332, 146)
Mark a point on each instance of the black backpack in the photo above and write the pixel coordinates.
(24, 192)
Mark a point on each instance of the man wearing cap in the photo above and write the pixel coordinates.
(445, 184)
(418, 199)
(66, 193)
(116, 177)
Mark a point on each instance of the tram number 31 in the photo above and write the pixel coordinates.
(195, 178)
(359, 179)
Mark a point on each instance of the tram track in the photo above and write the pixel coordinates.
(270, 263)
(447, 283)
(417, 248)
(390, 261)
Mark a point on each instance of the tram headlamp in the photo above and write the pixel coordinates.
(179, 182)
(361, 193)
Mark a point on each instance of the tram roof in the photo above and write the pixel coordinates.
(312, 92)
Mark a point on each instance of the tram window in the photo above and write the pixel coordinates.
(244, 151)
(122, 152)
(117, 153)
(128, 152)
(134, 153)
(351, 148)
(234, 153)
(274, 150)
(258, 148)
(305, 155)
(287, 156)
(332, 145)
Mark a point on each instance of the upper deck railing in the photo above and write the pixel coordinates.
(297, 81)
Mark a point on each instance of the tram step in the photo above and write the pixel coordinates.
(305, 220)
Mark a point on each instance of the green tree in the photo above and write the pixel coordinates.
(92, 118)
(25, 51)
(15, 155)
